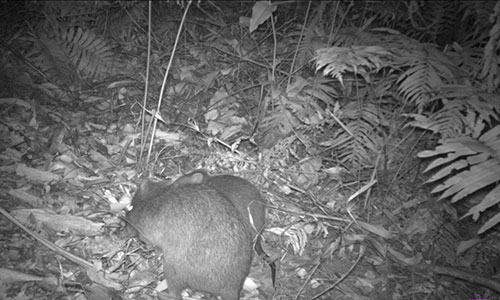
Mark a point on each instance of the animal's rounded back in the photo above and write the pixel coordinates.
(243, 194)
(206, 245)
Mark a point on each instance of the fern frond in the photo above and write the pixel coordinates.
(470, 164)
(426, 68)
(360, 142)
(51, 58)
(429, 70)
(466, 115)
(448, 122)
(490, 200)
(356, 59)
(416, 83)
(309, 43)
(322, 89)
(491, 70)
(92, 56)
(482, 155)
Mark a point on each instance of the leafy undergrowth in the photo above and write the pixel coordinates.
(71, 155)
(68, 182)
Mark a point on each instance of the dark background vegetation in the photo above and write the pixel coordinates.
(372, 128)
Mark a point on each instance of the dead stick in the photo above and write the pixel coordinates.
(76, 259)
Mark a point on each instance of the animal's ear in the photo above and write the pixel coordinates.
(197, 178)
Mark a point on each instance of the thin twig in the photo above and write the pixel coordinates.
(76, 259)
